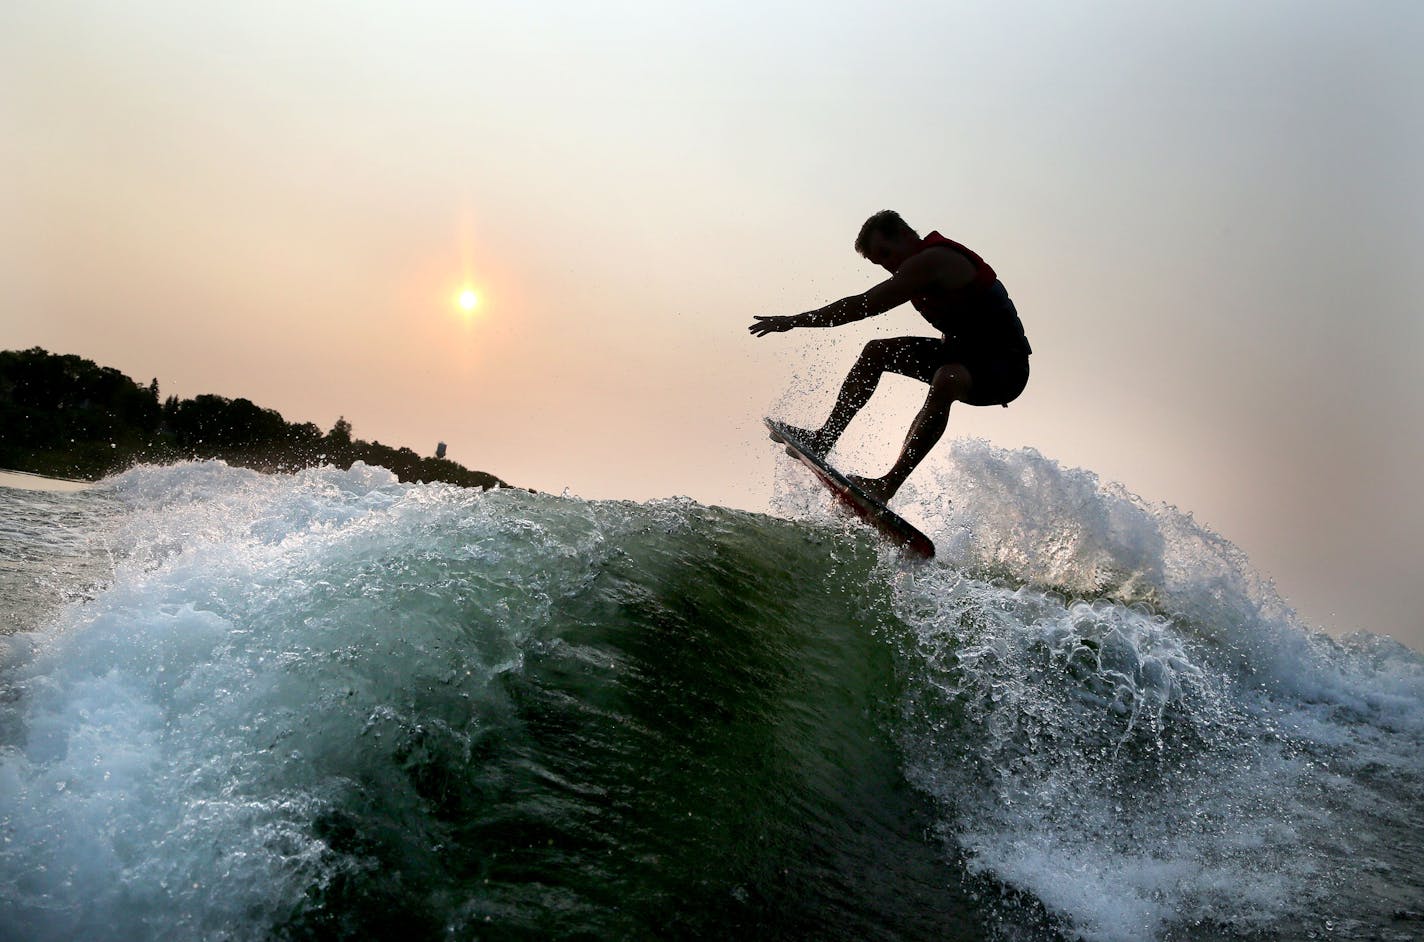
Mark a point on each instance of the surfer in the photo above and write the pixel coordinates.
(980, 357)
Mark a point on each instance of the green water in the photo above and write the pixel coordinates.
(331, 706)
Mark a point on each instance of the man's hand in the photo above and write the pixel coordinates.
(774, 324)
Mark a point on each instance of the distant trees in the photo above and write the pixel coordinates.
(305, 434)
(68, 416)
(209, 419)
(46, 399)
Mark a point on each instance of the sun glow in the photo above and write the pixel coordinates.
(468, 300)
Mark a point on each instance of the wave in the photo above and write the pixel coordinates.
(329, 704)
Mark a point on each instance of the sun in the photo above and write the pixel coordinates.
(468, 300)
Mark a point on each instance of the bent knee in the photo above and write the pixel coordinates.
(951, 383)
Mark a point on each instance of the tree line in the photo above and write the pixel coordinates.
(66, 416)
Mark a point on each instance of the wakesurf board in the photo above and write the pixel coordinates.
(889, 524)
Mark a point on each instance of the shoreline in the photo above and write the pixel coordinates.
(26, 481)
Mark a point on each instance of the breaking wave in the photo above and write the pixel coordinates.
(329, 705)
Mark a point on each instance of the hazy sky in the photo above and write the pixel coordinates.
(1209, 215)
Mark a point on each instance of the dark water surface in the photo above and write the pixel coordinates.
(330, 705)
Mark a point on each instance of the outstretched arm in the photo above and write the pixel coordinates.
(845, 311)
(913, 277)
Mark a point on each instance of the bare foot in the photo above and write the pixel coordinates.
(878, 488)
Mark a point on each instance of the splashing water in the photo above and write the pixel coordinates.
(330, 704)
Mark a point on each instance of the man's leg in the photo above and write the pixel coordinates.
(907, 356)
(951, 383)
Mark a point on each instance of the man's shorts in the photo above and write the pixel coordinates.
(998, 380)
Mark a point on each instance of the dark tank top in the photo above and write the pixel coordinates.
(978, 319)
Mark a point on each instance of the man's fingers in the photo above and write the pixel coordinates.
(767, 324)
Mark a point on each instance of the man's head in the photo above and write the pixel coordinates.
(887, 240)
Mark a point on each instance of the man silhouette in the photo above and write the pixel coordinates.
(980, 357)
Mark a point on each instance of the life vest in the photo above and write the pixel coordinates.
(978, 318)
(983, 273)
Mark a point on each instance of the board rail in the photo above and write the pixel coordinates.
(889, 524)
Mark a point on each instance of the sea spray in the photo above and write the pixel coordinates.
(331, 705)
(1137, 738)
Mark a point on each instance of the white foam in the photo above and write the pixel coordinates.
(1174, 749)
(1152, 758)
(181, 731)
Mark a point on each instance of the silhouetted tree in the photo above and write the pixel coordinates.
(67, 415)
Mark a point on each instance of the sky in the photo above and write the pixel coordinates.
(1208, 214)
